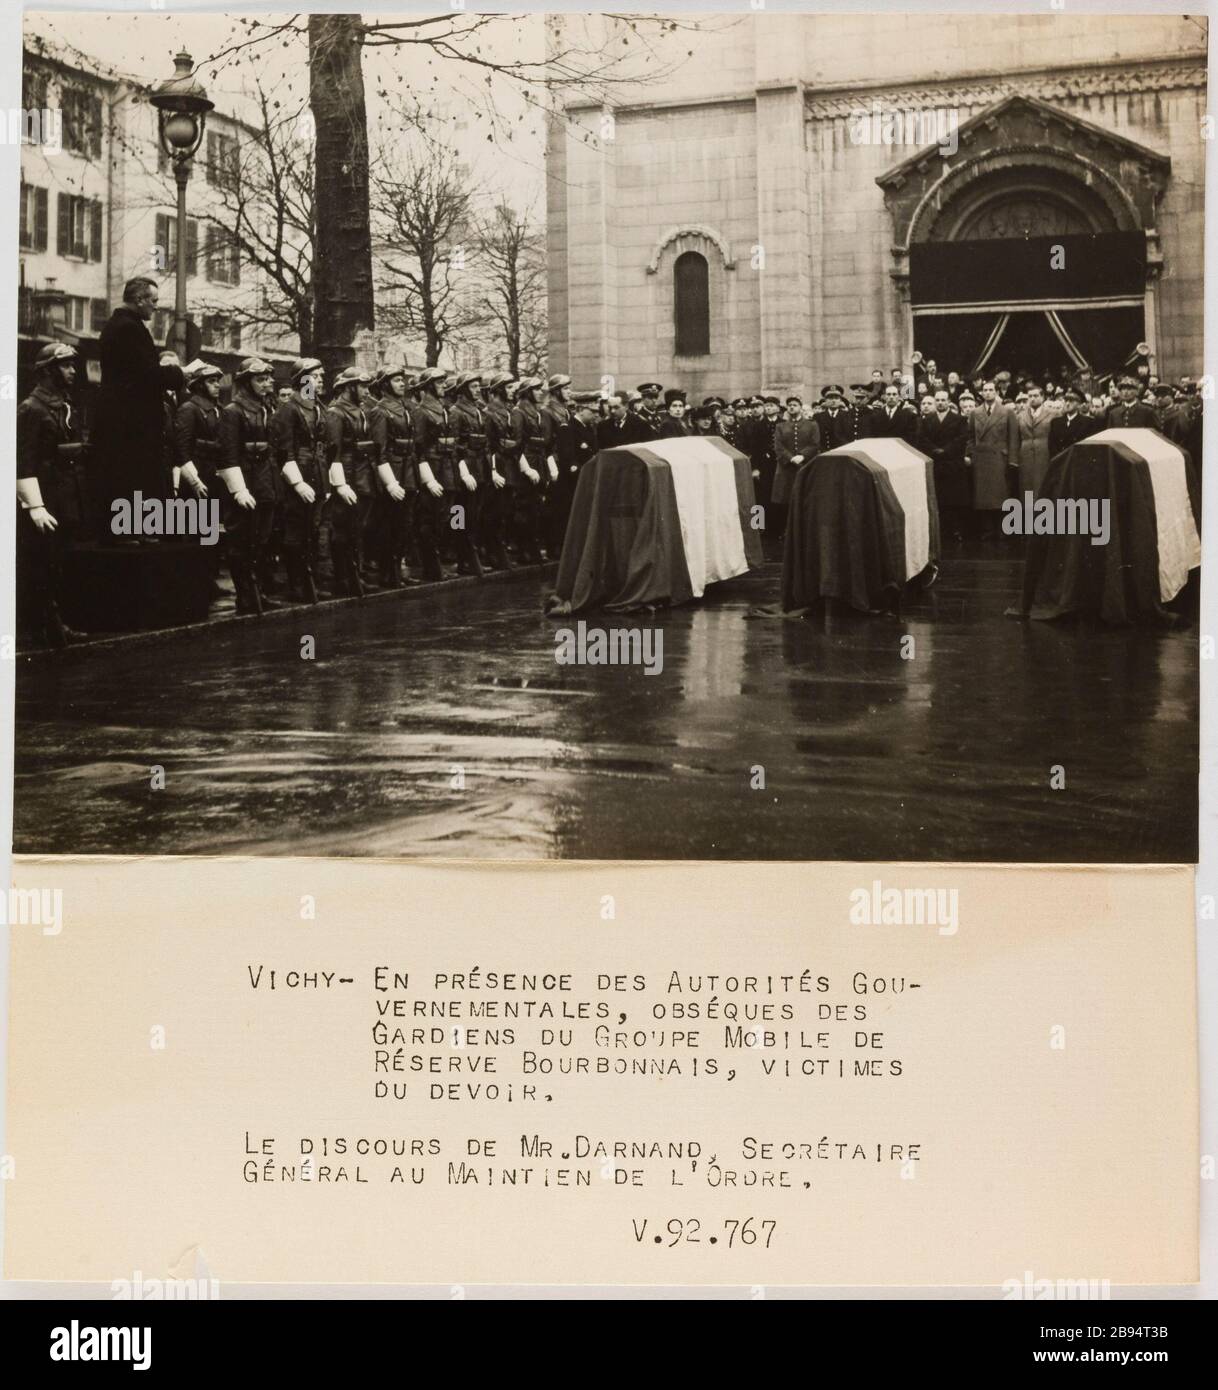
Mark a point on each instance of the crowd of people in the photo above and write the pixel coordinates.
(390, 478)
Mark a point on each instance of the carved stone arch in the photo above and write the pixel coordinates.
(690, 238)
(949, 202)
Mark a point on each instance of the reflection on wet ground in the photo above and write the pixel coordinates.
(444, 727)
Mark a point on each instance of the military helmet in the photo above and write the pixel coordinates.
(253, 366)
(302, 367)
(556, 381)
(430, 374)
(198, 370)
(495, 381)
(386, 372)
(54, 355)
(351, 376)
(528, 383)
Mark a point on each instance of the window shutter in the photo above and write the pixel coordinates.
(234, 261)
(95, 232)
(209, 252)
(192, 246)
(25, 237)
(40, 219)
(64, 202)
(95, 126)
(98, 314)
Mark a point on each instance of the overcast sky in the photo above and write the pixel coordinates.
(455, 99)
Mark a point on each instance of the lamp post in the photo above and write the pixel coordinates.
(182, 107)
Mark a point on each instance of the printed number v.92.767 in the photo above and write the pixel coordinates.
(688, 1231)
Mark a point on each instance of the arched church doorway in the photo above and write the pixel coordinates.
(1028, 270)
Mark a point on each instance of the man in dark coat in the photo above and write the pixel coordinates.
(1071, 426)
(854, 422)
(129, 428)
(893, 418)
(50, 506)
(251, 483)
(942, 434)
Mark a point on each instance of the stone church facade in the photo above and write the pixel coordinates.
(809, 197)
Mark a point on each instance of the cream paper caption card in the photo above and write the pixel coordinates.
(680, 1074)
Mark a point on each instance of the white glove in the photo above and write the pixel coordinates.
(553, 467)
(466, 476)
(429, 480)
(29, 494)
(291, 472)
(395, 490)
(798, 459)
(497, 478)
(530, 473)
(191, 474)
(177, 479)
(347, 494)
(234, 480)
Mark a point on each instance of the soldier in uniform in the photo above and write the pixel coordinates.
(649, 408)
(52, 504)
(855, 421)
(1072, 425)
(673, 425)
(1130, 412)
(250, 482)
(580, 446)
(496, 505)
(350, 456)
(556, 416)
(393, 434)
(196, 428)
(796, 441)
(433, 455)
(298, 438)
(527, 443)
(472, 469)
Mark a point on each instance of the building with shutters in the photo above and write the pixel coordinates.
(98, 205)
(804, 198)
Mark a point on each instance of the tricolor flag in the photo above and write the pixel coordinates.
(656, 523)
(1150, 490)
(863, 523)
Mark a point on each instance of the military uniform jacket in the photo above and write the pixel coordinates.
(349, 442)
(469, 430)
(1131, 417)
(298, 436)
(792, 439)
(1066, 430)
(393, 434)
(196, 434)
(852, 423)
(528, 438)
(555, 421)
(49, 449)
(434, 440)
(244, 444)
(497, 422)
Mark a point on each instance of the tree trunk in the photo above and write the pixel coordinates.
(342, 250)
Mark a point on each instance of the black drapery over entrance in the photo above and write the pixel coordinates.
(1035, 302)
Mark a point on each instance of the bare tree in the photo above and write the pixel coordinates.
(512, 270)
(268, 212)
(422, 212)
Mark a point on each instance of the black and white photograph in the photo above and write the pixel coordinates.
(750, 435)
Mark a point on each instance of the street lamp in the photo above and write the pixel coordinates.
(182, 106)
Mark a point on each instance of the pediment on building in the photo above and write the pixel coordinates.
(1023, 141)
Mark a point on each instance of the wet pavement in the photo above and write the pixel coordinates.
(441, 725)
